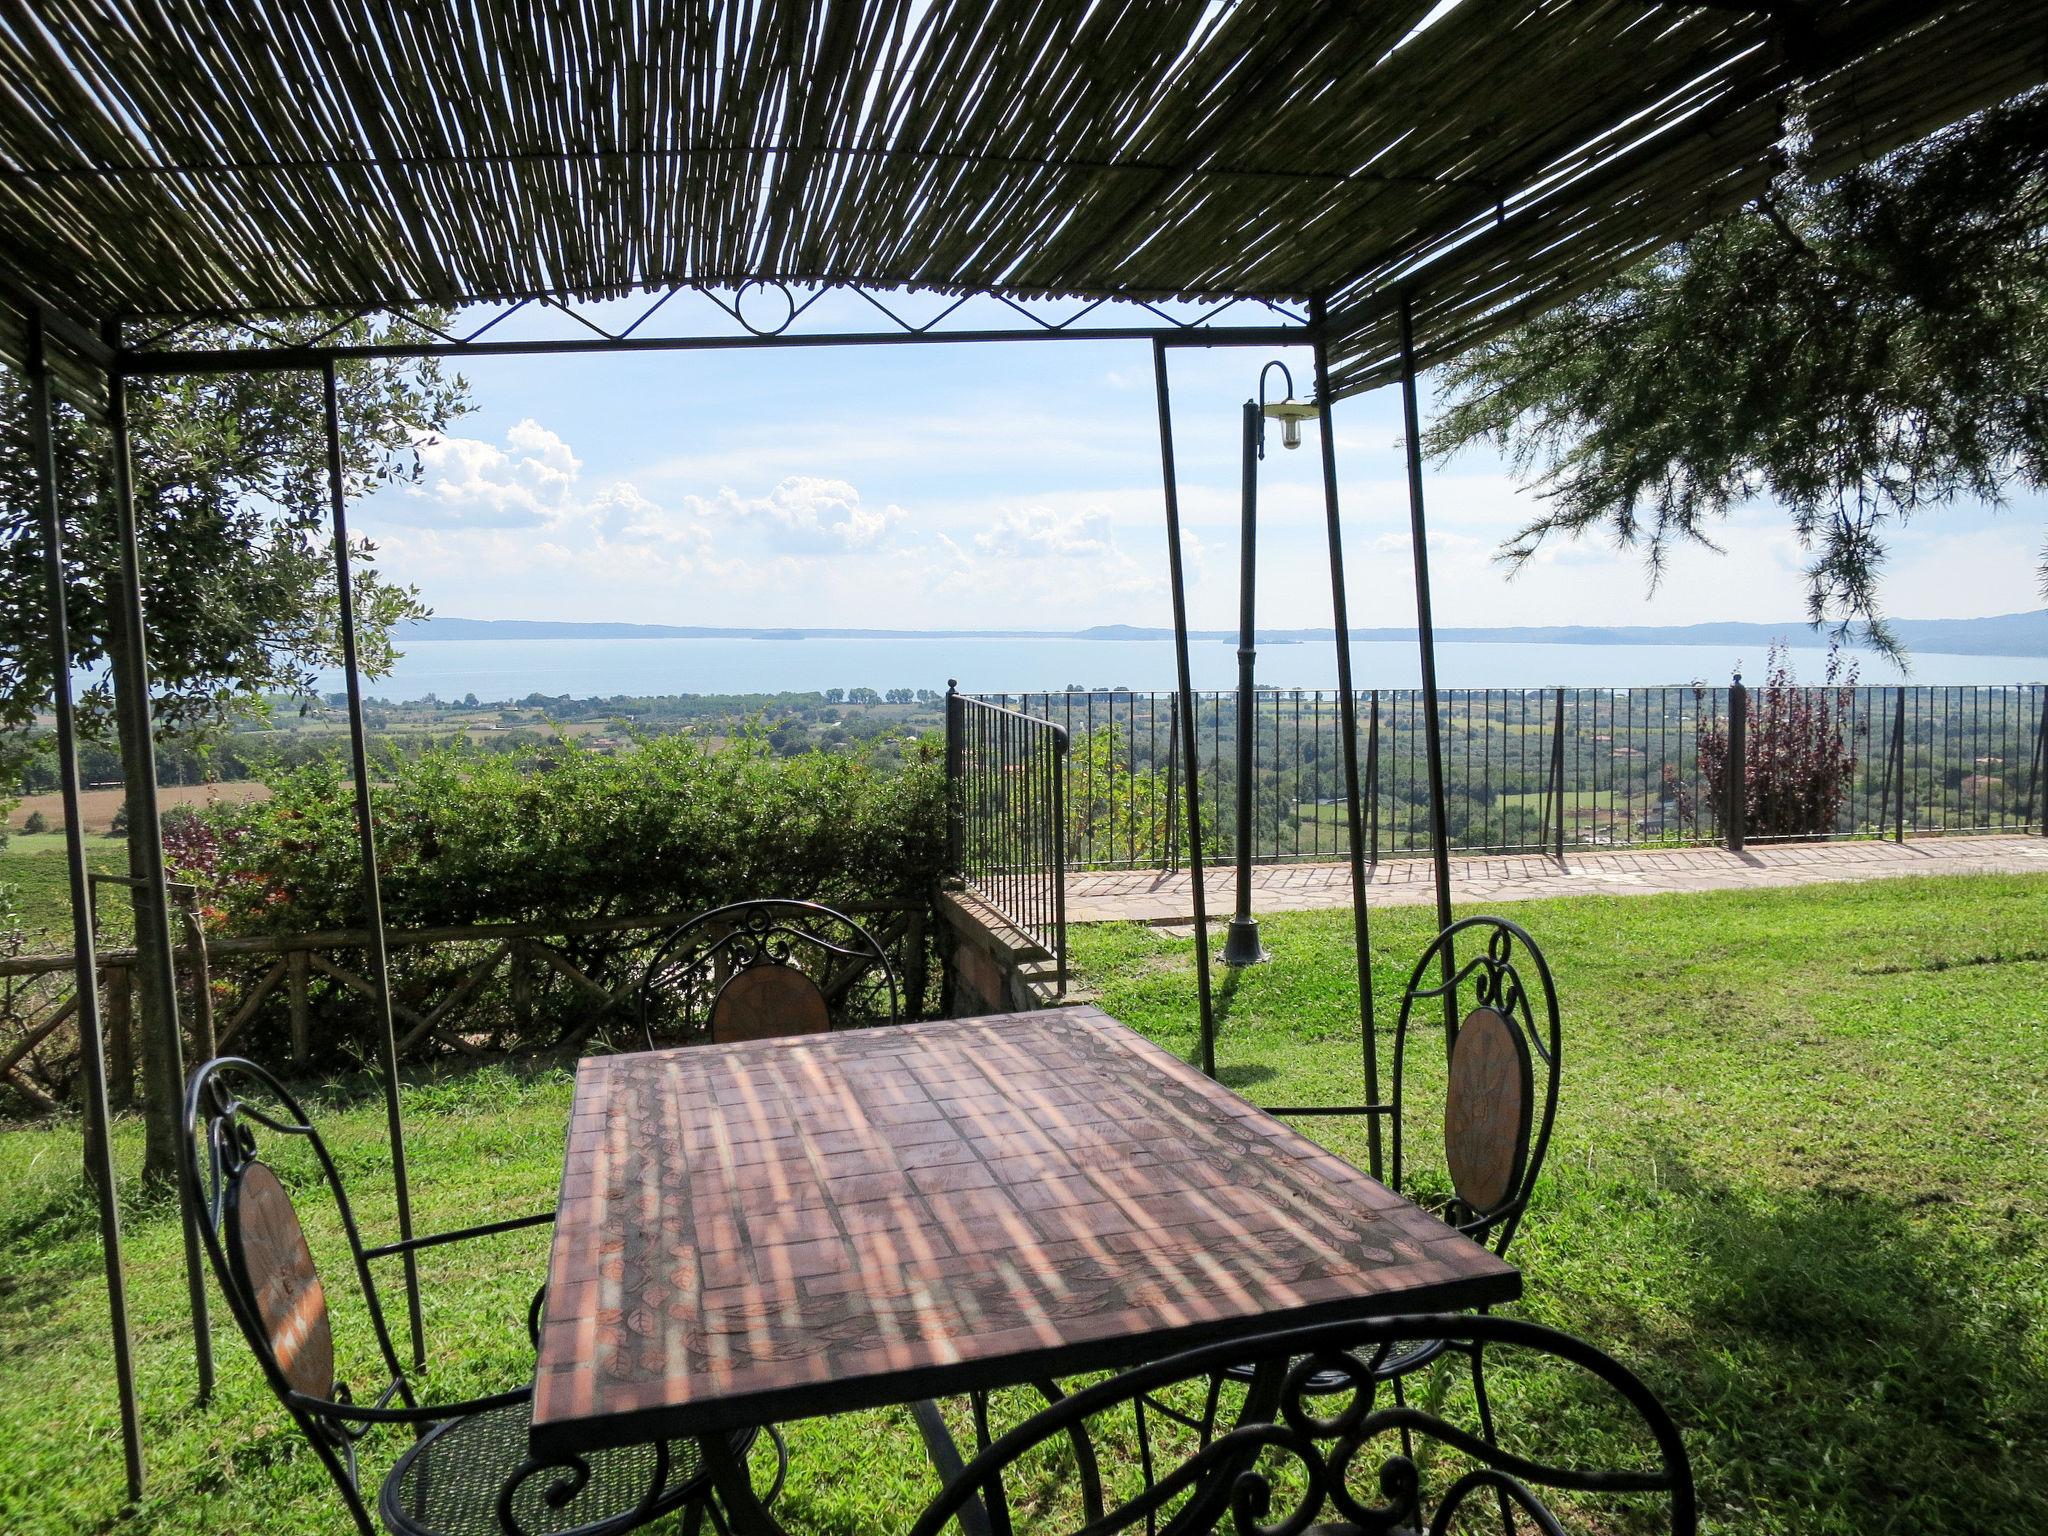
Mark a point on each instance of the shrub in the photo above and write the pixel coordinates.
(1798, 759)
(466, 837)
(673, 826)
(36, 823)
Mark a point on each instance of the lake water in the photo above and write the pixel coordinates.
(510, 669)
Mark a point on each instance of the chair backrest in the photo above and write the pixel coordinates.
(1487, 978)
(257, 1247)
(758, 970)
(1316, 1433)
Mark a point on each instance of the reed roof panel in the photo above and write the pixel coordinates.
(178, 157)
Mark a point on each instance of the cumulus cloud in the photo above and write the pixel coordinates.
(530, 482)
(620, 513)
(486, 507)
(809, 513)
(1055, 559)
(1049, 533)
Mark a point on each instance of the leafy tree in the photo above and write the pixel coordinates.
(1115, 810)
(1859, 349)
(231, 503)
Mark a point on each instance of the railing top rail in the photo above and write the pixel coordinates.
(981, 702)
(1689, 685)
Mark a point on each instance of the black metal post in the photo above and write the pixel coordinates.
(1557, 773)
(1241, 941)
(1425, 626)
(956, 806)
(366, 839)
(1425, 639)
(2038, 790)
(1059, 850)
(85, 961)
(1736, 771)
(1173, 759)
(1372, 780)
(1347, 726)
(149, 833)
(1184, 675)
(1899, 766)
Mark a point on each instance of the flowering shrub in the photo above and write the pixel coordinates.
(1798, 756)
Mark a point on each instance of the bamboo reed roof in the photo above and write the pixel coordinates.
(182, 157)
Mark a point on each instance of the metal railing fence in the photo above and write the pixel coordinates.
(1006, 784)
(1532, 770)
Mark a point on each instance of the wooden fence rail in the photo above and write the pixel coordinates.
(510, 986)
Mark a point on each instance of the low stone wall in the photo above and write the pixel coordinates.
(991, 967)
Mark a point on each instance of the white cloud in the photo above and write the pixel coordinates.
(1048, 533)
(1046, 560)
(529, 483)
(620, 511)
(809, 513)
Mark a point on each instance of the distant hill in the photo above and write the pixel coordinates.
(2006, 634)
(543, 629)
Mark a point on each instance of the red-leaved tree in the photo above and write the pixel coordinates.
(1798, 755)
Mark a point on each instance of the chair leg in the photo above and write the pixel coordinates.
(1085, 1461)
(1507, 1513)
(1209, 1405)
(945, 1456)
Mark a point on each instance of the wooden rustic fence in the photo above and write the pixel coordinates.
(304, 999)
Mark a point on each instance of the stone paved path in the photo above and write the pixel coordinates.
(1148, 896)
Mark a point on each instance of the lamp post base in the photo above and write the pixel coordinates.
(1241, 943)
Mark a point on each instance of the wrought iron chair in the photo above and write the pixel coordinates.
(1299, 1459)
(468, 1473)
(1497, 1119)
(758, 970)
(1500, 1090)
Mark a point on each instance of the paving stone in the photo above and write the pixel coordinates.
(1151, 896)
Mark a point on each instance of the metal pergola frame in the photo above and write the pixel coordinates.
(1683, 121)
(118, 363)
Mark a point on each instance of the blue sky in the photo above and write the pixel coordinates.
(1017, 486)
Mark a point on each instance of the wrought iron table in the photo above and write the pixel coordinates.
(782, 1229)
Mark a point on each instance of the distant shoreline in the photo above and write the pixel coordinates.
(2010, 634)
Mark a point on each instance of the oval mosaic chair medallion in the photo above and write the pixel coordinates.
(762, 970)
(1489, 1105)
(766, 1002)
(268, 1254)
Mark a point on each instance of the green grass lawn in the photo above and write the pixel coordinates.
(1797, 1183)
(37, 880)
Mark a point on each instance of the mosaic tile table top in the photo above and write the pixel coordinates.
(776, 1229)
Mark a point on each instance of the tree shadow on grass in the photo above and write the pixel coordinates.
(1845, 1362)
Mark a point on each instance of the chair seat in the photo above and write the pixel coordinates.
(1403, 1357)
(449, 1482)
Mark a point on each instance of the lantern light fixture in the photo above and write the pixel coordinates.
(1290, 412)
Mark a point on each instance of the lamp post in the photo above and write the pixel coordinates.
(1241, 942)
